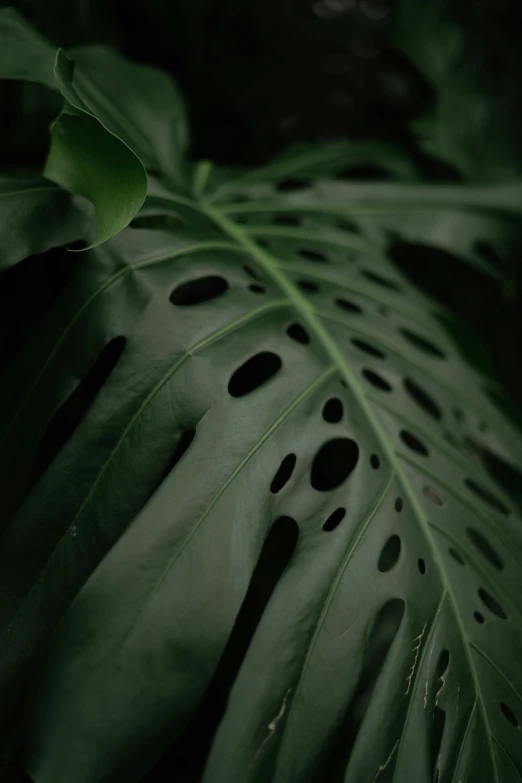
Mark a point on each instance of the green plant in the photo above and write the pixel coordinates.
(244, 371)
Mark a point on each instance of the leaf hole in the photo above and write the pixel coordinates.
(377, 380)
(284, 473)
(362, 345)
(69, 415)
(485, 548)
(333, 410)
(413, 443)
(491, 603)
(313, 255)
(455, 554)
(421, 565)
(487, 252)
(184, 441)
(487, 496)
(478, 617)
(197, 291)
(430, 494)
(379, 279)
(375, 461)
(276, 554)
(252, 273)
(256, 288)
(347, 306)
(390, 554)
(333, 463)
(398, 505)
(347, 225)
(422, 398)
(509, 714)
(509, 478)
(335, 518)
(308, 286)
(422, 343)
(254, 373)
(298, 333)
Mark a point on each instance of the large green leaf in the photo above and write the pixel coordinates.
(398, 614)
(35, 216)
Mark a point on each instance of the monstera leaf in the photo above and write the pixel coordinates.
(246, 509)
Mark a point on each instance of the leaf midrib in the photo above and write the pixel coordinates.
(269, 264)
(318, 275)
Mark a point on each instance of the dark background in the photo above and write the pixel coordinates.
(259, 74)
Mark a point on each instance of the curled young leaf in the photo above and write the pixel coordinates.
(87, 159)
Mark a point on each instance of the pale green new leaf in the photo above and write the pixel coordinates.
(87, 158)
(116, 115)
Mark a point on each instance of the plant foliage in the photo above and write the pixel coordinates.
(247, 474)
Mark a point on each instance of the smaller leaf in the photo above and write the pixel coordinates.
(34, 216)
(139, 104)
(86, 158)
